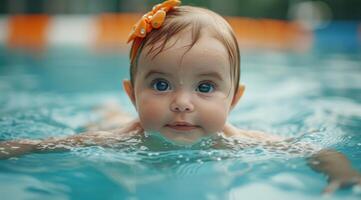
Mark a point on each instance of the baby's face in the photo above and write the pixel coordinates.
(184, 95)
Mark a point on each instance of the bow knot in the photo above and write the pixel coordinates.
(153, 19)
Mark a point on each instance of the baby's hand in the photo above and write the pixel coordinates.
(337, 168)
(347, 180)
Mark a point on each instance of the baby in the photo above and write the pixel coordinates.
(184, 81)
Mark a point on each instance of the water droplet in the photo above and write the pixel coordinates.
(178, 161)
(315, 162)
(359, 144)
(180, 156)
(143, 148)
(187, 159)
(4, 152)
(218, 159)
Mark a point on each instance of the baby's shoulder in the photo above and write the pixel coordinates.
(232, 131)
(259, 135)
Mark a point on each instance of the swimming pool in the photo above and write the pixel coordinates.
(53, 93)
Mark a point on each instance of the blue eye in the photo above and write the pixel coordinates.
(160, 85)
(205, 87)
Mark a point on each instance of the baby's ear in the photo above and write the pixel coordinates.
(237, 96)
(128, 87)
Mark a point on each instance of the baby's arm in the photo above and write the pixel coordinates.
(333, 164)
(10, 149)
(16, 148)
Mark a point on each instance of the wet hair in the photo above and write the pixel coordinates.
(196, 20)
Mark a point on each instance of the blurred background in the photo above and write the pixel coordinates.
(285, 25)
(61, 60)
(276, 9)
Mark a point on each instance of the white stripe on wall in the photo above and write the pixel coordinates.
(75, 30)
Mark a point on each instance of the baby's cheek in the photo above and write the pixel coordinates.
(151, 114)
(214, 118)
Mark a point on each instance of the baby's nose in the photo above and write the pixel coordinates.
(182, 103)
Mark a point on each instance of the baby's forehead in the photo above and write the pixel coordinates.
(205, 58)
(183, 48)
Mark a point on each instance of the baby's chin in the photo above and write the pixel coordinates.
(184, 139)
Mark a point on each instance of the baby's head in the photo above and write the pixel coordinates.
(185, 75)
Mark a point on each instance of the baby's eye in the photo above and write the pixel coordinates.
(205, 87)
(160, 85)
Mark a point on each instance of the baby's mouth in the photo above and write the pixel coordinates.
(182, 126)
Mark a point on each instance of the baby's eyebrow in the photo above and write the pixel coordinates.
(152, 72)
(215, 75)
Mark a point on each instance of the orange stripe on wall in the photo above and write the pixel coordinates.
(28, 31)
(113, 29)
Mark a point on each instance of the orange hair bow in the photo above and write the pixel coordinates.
(153, 19)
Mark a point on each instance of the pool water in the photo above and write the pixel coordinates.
(314, 97)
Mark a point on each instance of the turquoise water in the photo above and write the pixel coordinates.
(54, 93)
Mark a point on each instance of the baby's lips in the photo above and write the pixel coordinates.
(181, 124)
